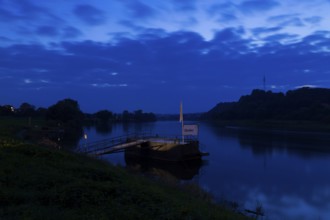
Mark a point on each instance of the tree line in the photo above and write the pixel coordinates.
(68, 110)
(308, 104)
(62, 124)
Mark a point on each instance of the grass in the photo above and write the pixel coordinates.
(43, 183)
(38, 182)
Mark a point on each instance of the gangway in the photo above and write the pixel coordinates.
(113, 145)
(153, 143)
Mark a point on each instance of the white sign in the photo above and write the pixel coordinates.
(190, 129)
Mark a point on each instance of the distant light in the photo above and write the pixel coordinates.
(85, 136)
(12, 108)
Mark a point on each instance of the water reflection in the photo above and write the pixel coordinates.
(103, 128)
(165, 169)
(287, 173)
(261, 142)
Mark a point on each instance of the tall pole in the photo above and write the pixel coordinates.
(264, 82)
(181, 120)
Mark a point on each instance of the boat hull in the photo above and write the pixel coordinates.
(167, 151)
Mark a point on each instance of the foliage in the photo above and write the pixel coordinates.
(302, 104)
(104, 115)
(26, 110)
(138, 116)
(65, 111)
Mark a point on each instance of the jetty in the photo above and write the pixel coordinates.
(148, 146)
(152, 146)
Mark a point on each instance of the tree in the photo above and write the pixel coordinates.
(103, 115)
(126, 116)
(65, 111)
(26, 110)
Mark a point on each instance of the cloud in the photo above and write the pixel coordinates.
(265, 30)
(282, 18)
(306, 86)
(225, 12)
(313, 20)
(70, 32)
(48, 31)
(252, 6)
(138, 9)
(107, 85)
(167, 64)
(6, 39)
(296, 22)
(184, 5)
(7, 16)
(289, 20)
(25, 10)
(282, 38)
(89, 14)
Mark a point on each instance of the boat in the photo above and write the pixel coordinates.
(166, 150)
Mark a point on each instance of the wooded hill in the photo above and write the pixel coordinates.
(306, 104)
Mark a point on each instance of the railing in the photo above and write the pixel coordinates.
(110, 142)
(115, 141)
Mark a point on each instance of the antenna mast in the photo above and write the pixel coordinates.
(264, 82)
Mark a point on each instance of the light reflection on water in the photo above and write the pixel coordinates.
(288, 174)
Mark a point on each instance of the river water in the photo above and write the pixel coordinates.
(288, 174)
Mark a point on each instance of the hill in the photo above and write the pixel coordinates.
(305, 104)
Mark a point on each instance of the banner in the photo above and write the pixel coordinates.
(190, 129)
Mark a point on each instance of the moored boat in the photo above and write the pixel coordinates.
(167, 150)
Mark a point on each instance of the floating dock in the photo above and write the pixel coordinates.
(154, 147)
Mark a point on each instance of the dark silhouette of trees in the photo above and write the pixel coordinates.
(104, 116)
(26, 110)
(65, 111)
(69, 118)
(138, 116)
(311, 104)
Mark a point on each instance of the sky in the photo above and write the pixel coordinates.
(152, 54)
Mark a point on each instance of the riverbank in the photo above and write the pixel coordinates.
(42, 183)
(38, 182)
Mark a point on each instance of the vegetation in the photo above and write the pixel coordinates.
(68, 112)
(45, 183)
(303, 107)
(62, 123)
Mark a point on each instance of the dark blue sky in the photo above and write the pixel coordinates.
(147, 54)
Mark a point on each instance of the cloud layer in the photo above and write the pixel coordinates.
(136, 57)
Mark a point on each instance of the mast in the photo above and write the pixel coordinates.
(181, 120)
(264, 82)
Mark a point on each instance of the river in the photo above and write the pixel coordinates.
(287, 174)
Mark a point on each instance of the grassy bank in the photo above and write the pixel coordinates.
(42, 183)
(46, 183)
